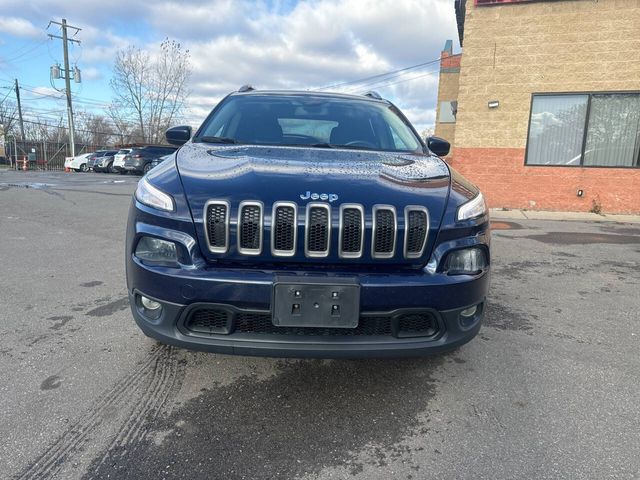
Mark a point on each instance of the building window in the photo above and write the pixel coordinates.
(596, 130)
(448, 111)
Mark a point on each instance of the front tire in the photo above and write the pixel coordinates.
(112, 169)
(84, 168)
(146, 168)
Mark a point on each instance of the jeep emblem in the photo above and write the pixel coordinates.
(332, 197)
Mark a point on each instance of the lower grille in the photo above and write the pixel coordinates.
(222, 321)
(210, 320)
(261, 324)
(422, 324)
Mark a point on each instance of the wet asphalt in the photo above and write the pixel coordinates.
(549, 389)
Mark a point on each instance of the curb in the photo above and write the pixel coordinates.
(500, 214)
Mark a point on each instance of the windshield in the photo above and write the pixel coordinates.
(306, 120)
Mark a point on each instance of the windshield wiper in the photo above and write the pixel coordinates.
(352, 147)
(208, 139)
(321, 145)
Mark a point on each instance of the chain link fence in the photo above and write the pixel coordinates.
(42, 155)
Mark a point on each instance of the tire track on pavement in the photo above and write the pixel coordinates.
(156, 376)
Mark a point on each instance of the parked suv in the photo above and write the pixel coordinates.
(118, 160)
(140, 158)
(101, 160)
(307, 224)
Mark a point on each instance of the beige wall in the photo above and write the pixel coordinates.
(447, 91)
(511, 51)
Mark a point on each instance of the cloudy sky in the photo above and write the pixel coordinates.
(268, 44)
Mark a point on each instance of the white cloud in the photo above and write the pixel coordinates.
(19, 27)
(91, 73)
(270, 44)
(317, 43)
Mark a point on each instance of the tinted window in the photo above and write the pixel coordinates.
(561, 134)
(311, 120)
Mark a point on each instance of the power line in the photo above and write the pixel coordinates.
(384, 85)
(47, 125)
(391, 72)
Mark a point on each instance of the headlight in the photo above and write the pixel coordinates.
(472, 209)
(467, 261)
(152, 197)
(157, 251)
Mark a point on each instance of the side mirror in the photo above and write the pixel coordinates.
(438, 145)
(178, 135)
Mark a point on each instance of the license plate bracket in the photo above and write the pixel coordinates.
(315, 302)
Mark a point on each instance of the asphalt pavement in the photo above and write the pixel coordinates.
(549, 389)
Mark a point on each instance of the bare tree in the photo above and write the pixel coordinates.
(8, 117)
(124, 131)
(150, 89)
(426, 133)
(93, 129)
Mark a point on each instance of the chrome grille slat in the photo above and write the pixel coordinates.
(416, 230)
(250, 228)
(317, 235)
(216, 224)
(351, 230)
(284, 229)
(385, 228)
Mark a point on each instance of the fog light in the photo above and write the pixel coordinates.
(149, 304)
(467, 261)
(469, 312)
(157, 251)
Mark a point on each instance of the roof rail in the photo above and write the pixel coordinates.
(246, 88)
(372, 94)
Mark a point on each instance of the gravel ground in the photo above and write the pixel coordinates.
(549, 389)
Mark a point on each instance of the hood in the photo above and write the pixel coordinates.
(302, 175)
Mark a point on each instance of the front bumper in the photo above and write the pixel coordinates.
(250, 292)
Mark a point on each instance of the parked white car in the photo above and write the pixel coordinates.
(78, 163)
(118, 160)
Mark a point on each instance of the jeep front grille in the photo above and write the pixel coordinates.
(351, 231)
(285, 223)
(416, 227)
(250, 228)
(318, 230)
(385, 228)
(217, 225)
(284, 229)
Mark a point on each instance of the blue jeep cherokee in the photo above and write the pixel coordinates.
(307, 224)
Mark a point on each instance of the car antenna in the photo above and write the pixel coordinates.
(246, 88)
(372, 94)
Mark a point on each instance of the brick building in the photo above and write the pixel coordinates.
(542, 108)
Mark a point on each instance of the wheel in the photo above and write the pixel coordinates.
(112, 169)
(84, 168)
(147, 167)
(122, 172)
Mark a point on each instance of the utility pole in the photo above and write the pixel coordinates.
(19, 110)
(67, 75)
